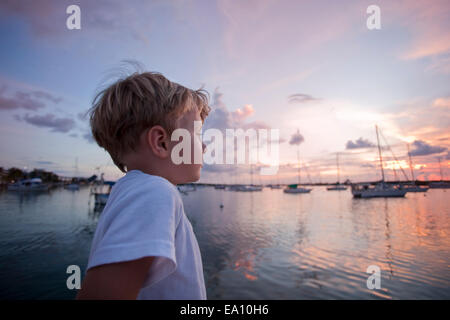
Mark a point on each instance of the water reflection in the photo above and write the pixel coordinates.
(261, 245)
(318, 246)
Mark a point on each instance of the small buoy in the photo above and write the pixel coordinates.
(221, 206)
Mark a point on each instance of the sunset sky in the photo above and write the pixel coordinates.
(311, 66)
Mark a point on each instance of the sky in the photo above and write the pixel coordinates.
(311, 69)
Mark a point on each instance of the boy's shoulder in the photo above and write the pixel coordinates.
(138, 181)
(137, 189)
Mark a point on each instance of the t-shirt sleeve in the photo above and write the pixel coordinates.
(142, 223)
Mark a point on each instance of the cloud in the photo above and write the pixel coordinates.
(421, 148)
(39, 14)
(440, 64)
(423, 119)
(45, 162)
(296, 138)
(83, 116)
(358, 144)
(49, 120)
(21, 100)
(241, 114)
(221, 118)
(45, 95)
(442, 103)
(246, 37)
(428, 25)
(47, 18)
(28, 99)
(301, 98)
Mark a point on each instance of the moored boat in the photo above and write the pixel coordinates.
(246, 188)
(380, 189)
(338, 186)
(442, 184)
(413, 187)
(34, 184)
(275, 186)
(294, 188)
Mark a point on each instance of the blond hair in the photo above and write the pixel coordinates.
(121, 112)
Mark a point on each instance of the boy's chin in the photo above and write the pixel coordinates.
(193, 176)
(196, 176)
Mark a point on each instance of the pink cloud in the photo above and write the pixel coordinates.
(267, 29)
(240, 115)
(442, 103)
(429, 26)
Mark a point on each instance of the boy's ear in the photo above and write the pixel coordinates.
(158, 141)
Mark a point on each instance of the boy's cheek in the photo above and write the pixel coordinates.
(197, 154)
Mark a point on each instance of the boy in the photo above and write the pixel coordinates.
(144, 246)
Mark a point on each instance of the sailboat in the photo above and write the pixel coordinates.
(413, 187)
(246, 187)
(251, 187)
(74, 185)
(380, 189)
(34, 184)
(338, 186)
(276, 185)
(295, 188)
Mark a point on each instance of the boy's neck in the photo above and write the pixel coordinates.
(151, 171)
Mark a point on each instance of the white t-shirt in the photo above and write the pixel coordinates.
(144, 216)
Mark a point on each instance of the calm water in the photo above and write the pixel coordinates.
(262, 245)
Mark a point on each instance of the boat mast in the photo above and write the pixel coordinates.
(337, 162)
(379, 153)
(440, 168)
(410, 164)
(298, 159)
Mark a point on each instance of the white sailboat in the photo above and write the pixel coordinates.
(338, 186)
(34, 184)
(276, 185)
(247, 187)
(295, 188)
(381, 189)
(251, 187)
